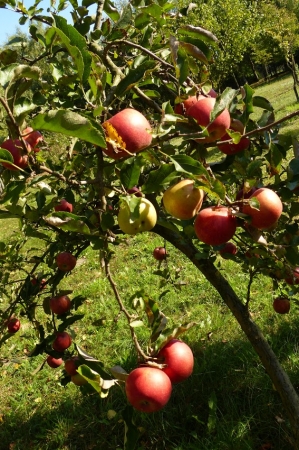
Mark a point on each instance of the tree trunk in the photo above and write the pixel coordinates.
(292, 66)
(254, 69)
(268, 358)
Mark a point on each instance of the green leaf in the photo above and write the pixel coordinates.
(107, 221)
(158, 178)
(76, 46)
(262, 102)
(5, 155)
(133, 76)
(205, 49)
(8, 56)
(109, 9)
(222, 102)
(248, 100)
(93, 363)
(198, 33)
(182, 65)
(132, 433)
(67, 222)
(212, 420)
(22, 107)
(69, 321)
(71, 124)
(194, 51)
(23, 71)
(184, 163)
(6, 74)
(130, 172)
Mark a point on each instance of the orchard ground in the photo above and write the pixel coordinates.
(228, 403)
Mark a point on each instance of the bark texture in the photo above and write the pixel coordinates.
(268, 358)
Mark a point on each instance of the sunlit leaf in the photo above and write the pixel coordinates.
(71, 123)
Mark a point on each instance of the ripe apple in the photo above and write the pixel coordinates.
(182, 108)
(160, 253)
(33, 137)
(229, 148)
(269, 211)
(15, 147)
(60, 304)
(148, 389)
(228, 248)
(179, 359)
(242, 193)
(13, 325)
(281, 305)
(134, 190)
(66, 261)
(64, 206)
(145, 221)
(201, 112)
(43, 283)
(215, 225)
(62, 341)
(183, 200)
(78, 380)
(128, 129)
(292, 276)
(71, 365)
(212, 93)
(54, 362)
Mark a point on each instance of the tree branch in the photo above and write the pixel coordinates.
(99, 13)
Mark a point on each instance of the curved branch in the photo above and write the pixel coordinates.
(268, 358)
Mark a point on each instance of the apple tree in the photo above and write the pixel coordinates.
(145, 145)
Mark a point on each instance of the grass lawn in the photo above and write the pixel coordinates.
(227, 404)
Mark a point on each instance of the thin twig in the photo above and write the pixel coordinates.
(140, 352)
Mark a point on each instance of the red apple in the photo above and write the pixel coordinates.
(71, 365)
(128, 129)
(33, 137)
(66, 261)
(62, 341)
(64, 206)
(148, 389)
(292, 276)
(182, 108)
(15, 147)
(179, 359)
(43, 283)
(201, 112)
(242, 193)
(228, 249)
(60, 304)
(229, 148)
(212, 93)
(160, 253)
(281, 305)
(183, 200)
(215, 225)
(54, 362)
(134, 190)
(13, 325)
(269, 211)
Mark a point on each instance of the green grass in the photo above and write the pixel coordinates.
(227, 404)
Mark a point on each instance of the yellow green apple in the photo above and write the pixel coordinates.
(183, 200)
(136, 215)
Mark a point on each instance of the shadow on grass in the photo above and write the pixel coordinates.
(227, 404)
